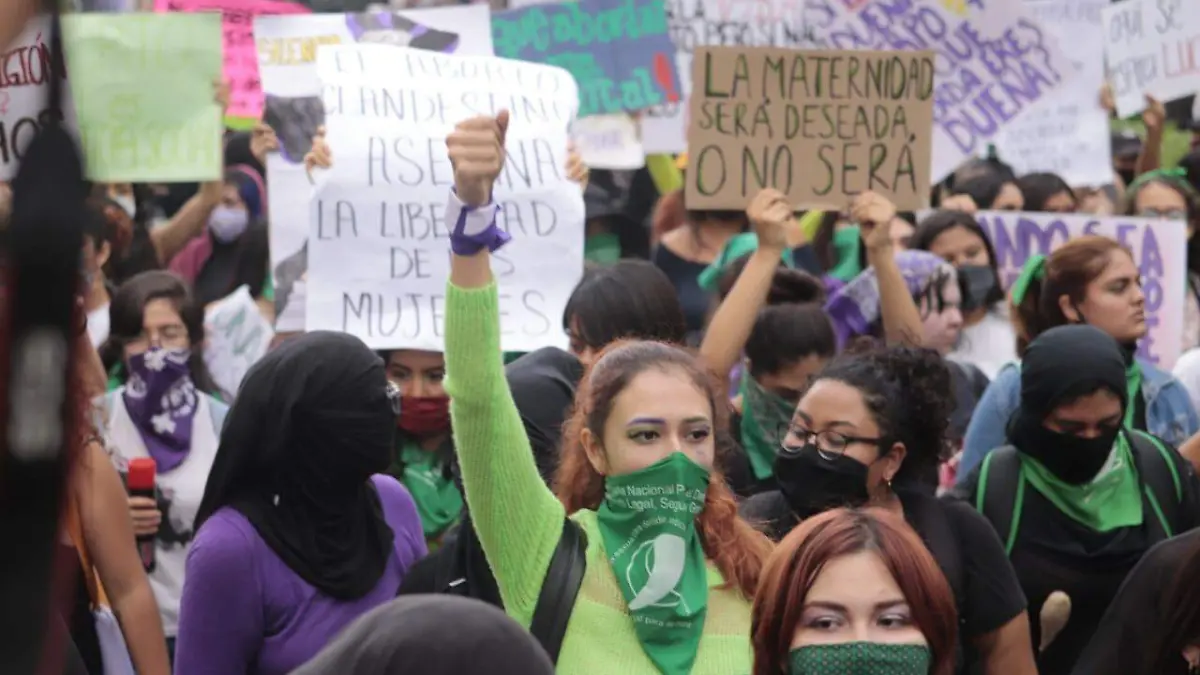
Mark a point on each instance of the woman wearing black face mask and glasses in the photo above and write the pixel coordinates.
(1078, 497)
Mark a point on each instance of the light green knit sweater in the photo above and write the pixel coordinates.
(519, 520)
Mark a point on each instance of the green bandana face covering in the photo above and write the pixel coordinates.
(602, 249)
(438, 500)
(860, 658)
(648, 525)
(846, 243)
(765, 418)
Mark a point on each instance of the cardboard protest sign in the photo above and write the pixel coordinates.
(378, 247)
(236, 337)
(241, 61)
(1159, 248)
(1067, 132)
(143, 91)
(735, 23)
(287, 50)
(618, 50)
(821, 127)
(994, 62)
(1150, 47)
(24, 88)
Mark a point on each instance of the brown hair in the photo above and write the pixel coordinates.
(1069, 270)
(736, 548)
(802, 555)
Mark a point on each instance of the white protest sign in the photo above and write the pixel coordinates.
(609, 142)
(287, 52)
(715, 23)
(378, 247)
(994, 62)
(1159, 248)
(1067, 132)
(236, 337)
(24, 92)
(1151, 48)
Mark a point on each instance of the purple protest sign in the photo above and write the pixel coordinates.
(1158, 246)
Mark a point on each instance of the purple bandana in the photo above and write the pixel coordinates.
(853, 308)
(161, 401)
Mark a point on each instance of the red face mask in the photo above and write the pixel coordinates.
(424, 415)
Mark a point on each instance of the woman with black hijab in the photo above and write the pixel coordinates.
(297, 535)
(432, 635)
(1078, 496)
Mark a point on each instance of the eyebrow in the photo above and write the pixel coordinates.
(660, 421)
(837, 607)
(836, 423)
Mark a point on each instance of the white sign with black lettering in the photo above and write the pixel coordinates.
(379, 247)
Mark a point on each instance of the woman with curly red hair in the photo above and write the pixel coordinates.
(854, 591)
(670, 567)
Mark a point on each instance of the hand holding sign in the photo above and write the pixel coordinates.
(476, 149)
(319, 156)
(874, 214)
(770, 213)
(262, 141)
(1154, 116)
(577, 171)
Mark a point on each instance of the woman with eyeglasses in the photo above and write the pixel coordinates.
(299, 533)
(162, 408)
(867, 432)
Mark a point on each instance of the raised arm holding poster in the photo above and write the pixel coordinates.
(994, 62)
(1159, 249)
(378, 249)
(819, 126)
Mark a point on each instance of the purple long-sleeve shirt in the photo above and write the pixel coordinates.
(244, 612)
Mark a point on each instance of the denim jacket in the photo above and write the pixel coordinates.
(1169, 413)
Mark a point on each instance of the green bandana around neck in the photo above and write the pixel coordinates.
(860, 658)
(846, 243)
(765, 418)
(438, 500)
(648, 526)
(1133, 389)
(602, 249)
(1110, 501)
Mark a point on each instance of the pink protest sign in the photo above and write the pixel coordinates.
(241, 58)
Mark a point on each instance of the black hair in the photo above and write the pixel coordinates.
(984, 189)
(1191, 168)
(785, 334)
(942, 220)
(1038, 188)
(253, 262)
(95, 224)
(822, 242)
(788, 285)
(629, 299)
(908, 393)
(127, 320)
(988, 166)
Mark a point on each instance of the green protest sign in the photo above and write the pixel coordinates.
(142, 85)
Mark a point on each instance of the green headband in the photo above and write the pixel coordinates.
(1176, 177)
(1035, 268)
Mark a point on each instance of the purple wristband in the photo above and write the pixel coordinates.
(472, 219)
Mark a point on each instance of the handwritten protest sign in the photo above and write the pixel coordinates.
(1067, 131)
(819, 126)
(378, 247)
(1159, 249)
(994, 62)
(713, 23)
(24, 86)
(241, 60)
(618, 50)
(287, 48)
(1152, 47)
(609, 142)
(236, 337)
(143, 90)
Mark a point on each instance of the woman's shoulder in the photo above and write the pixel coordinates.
(226, 535)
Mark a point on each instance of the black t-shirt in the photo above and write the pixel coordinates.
(964, 544)
(1053, 552)
(1135, 617)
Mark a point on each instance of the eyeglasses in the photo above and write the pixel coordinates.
(829, 444)
(393, 396)
(1165, 214)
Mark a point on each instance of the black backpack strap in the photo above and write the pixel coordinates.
(1160, 480)
(1000, 493)
(557, 599)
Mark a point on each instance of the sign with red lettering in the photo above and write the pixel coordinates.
(25, 71)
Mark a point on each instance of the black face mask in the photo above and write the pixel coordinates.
(977, 283)
(813, 484)
(1071, 458)
(1127, 175)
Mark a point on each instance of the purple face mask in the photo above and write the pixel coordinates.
(161, 400)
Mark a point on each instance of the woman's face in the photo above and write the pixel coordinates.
(1009, 199)
(231, 198)
(788, 382)
(1114, 301)
(960, 246)
(658, 413)
(161, 327)
(1155, 200)
(856, 599)
(901, 233)
(942, 321)
(418, 373)
(1060, 202)
(837, 412)
(1091, 416)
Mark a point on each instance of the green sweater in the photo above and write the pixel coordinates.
(519, 521)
